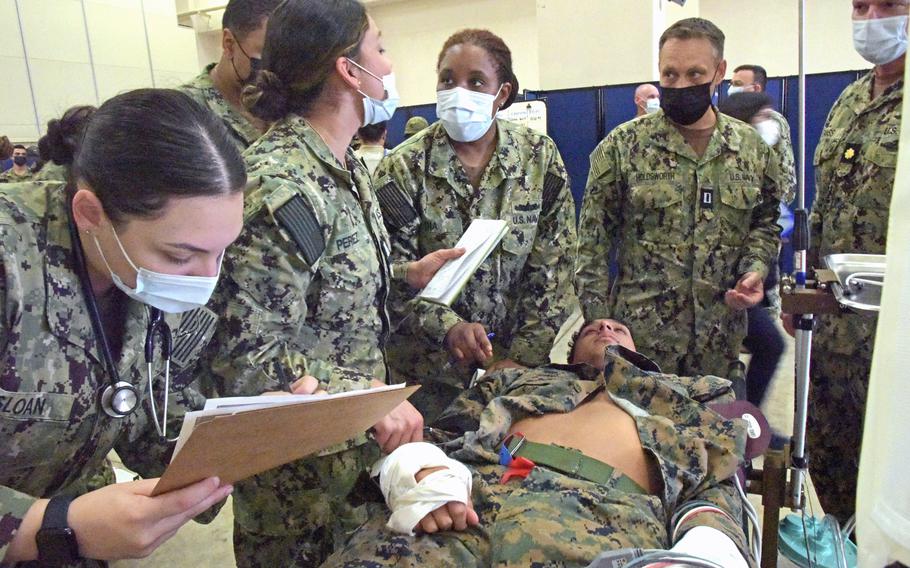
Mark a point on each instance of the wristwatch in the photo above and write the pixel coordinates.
(57, 545)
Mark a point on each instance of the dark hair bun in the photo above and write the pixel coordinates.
(268, 97)
(64, 135)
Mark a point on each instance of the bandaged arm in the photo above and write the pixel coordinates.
(410, 500)
(710, 527)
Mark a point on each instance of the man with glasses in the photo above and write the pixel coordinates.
(220, 84)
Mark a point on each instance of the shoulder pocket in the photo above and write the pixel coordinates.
(397, 210)
(300, 223)
(552, 187)
(193, 333)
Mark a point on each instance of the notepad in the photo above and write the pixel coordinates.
(235, 438)
(478, 241)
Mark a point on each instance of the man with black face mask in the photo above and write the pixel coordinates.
(219, 85)
(19, 171)
(687, 200)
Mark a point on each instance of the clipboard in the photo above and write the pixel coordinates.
(238, 445)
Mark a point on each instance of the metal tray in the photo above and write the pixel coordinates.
(860, 278)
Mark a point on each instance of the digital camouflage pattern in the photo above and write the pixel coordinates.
(51, 172)
(554, 519)
(10, 177)
(783, 153)
(855, 163)
(203, 91)
(523, 292)
(55, 436)
(684, 230)
(302, 298)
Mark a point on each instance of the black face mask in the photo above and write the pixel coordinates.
(255, 66)
(20, 160)
(685, 105)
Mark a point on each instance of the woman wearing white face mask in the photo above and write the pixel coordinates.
(305, 287)
(471, 165)
(85, 267)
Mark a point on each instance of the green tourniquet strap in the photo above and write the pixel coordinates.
(571, 462)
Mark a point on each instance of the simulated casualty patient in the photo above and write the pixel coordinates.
(653, 468)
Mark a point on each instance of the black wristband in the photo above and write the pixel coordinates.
(57, 544)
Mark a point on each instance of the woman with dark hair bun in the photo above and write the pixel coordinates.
(471, 165)
(132, 242)
(57, 148)
(305, 286)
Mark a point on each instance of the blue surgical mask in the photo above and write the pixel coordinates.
(652, 106)
(168, 292)
(375, 110)
(466, 115)
(735, 89)
(880, 40)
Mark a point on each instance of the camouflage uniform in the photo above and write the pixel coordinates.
(204, 92)
(303, 291)
(10, 177)
(51, 172)
(55, 436)
(523, 292)
(783, 153)
(555, 519)
(855, 164)
(685, 229)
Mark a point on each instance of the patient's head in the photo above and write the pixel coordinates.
(594, 337)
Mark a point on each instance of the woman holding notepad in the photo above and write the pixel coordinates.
(468, 166)
(95, 273)
(304, 289)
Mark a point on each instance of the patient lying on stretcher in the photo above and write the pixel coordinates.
(565, 462)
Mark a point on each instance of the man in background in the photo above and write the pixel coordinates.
(19, 171)
(220, 84)
(414, 125)
(372, 144)
(775, 131)
(647, 99)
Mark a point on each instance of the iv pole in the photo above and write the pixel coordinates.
(804, 323)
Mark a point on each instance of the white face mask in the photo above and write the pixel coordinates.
(466, 115)
(168, 292)
(769, 132)
(881, 40)
(375, 110)
(734, 89)
(652, 106)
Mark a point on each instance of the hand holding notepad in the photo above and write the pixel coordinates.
(478, 241)
(234, 438)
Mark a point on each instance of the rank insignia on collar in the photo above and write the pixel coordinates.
(850, 153)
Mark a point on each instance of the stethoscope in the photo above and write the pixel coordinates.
(120, 398)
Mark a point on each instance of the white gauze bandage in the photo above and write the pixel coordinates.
(411, 501)
(710, 544)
